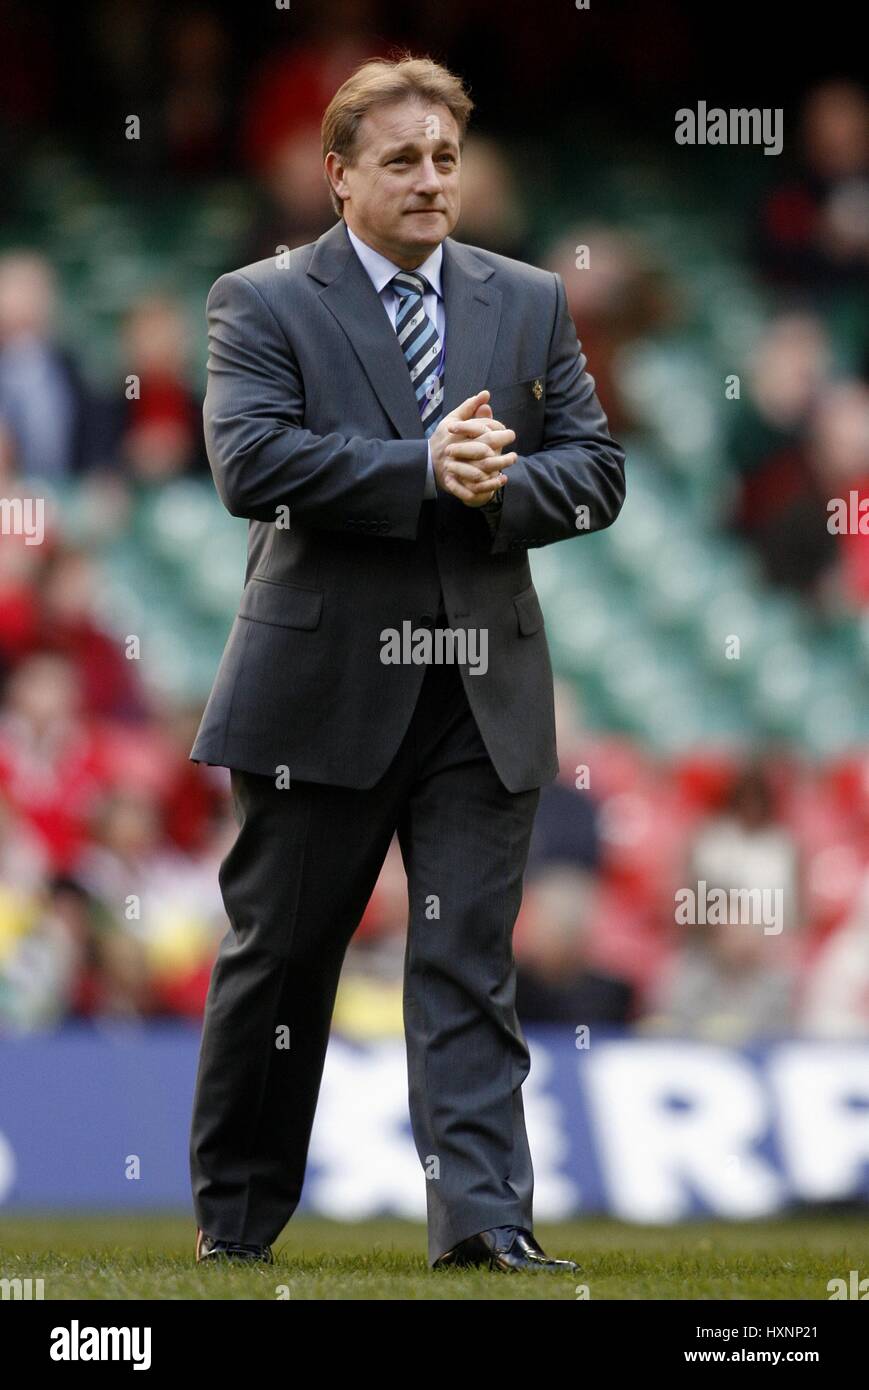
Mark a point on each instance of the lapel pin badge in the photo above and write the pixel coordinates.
(537, 389)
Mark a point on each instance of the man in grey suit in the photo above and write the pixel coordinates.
(388, 670)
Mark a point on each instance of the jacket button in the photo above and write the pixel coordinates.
(427, 620)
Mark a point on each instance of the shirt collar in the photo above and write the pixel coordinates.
(381, 270)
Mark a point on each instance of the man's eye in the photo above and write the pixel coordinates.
(399, 160)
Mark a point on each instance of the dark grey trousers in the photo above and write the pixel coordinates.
(295, 884)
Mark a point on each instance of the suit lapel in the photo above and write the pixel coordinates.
(473, 313)
(472, 309)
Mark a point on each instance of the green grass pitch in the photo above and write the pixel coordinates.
(151, 1257)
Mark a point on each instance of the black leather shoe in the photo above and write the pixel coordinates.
(211, 1251)
(509, 1248)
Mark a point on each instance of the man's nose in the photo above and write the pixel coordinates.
(429, 179)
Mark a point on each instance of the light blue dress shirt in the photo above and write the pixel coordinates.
(380, 271)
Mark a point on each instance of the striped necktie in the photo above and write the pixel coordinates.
(421, 345)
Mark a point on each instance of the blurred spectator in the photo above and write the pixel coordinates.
(281, 129)
(617, 293)
(42, 395)
(293, 205)
(70, 960)
(814, 227)
(732, 985)
(294, 86)
(162, 433)
(196, 104)
(781, 508)
(557, 979)
(42, 958)
(734, 978)
(565, 830)
(748, 847)
(53, 607)
(166, 904)
(69, 624)
(51, 769)
(492, 215)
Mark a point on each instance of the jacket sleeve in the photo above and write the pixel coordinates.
(261, 456)
(580, 466)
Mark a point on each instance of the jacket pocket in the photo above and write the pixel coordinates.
(528, 611)
(282, 605)
(517, 406)
(530, 391)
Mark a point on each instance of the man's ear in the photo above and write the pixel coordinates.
(335, 167)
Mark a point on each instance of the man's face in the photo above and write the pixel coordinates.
(401, 195)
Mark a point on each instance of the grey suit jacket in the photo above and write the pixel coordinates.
(314, 435)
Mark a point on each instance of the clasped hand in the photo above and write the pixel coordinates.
(466, 452)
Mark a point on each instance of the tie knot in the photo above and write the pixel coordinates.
(408, 282)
